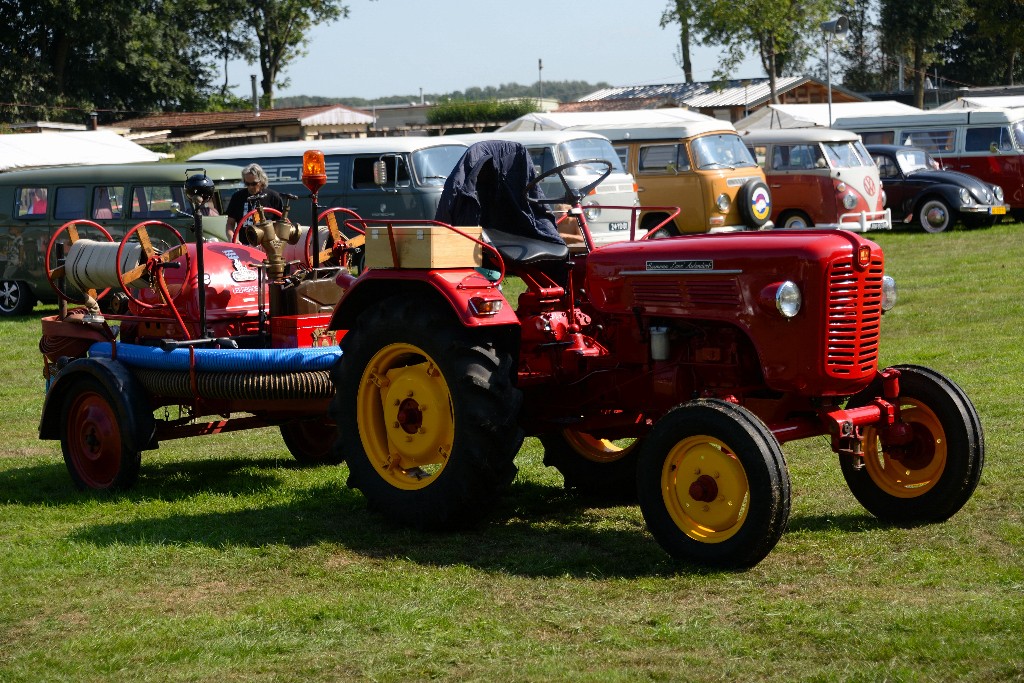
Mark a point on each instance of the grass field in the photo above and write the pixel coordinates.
(229, 563)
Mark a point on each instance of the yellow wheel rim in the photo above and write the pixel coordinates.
(598, 450)
(405, 417)
(912, 471)
(705, 489)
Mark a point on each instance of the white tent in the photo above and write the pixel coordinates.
(809, 115)
(590, 120)
(33, 150)
(998, 101)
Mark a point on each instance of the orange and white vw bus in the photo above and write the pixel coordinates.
(820, 177)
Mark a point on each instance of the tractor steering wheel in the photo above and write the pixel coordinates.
(572, 196)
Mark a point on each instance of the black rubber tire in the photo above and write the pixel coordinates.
(678, 441)
(746, 200)
(933, 500)
(311, 442)
(477, 372)
(93, 439)
(600, 475)
(669, 230)
(927, 206)
(794, 220)
(15, 298)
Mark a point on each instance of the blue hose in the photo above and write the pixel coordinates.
(222, 360)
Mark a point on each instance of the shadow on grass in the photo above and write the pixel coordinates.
(535, 530)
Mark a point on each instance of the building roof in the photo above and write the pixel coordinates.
(29, 150)
(323, 115)
(709, 94)
(808, 115)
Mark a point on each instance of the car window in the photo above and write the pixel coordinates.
(543, 159)
(760, 154)
(845, 155)
(362, 172)
(878, 137)
(663, 158)
(929, 140)
(106, 202)
(886, 166)
(591, 148)
(721, 151)
(70, 202)
(797, 158)
(30, 202)
(434, 164)
(988, 139)
(155, 201)
(623, 152)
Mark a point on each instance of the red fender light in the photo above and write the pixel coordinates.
(485, 308)
(314, 171)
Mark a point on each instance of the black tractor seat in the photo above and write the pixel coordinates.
(524, 250)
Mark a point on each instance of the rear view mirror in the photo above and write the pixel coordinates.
(380, 172)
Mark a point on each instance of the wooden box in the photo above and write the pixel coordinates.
(423, 246)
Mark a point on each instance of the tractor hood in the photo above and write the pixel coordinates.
(718, 276)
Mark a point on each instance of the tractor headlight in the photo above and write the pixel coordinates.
(850, 201)
(788, 299)
(723, 203)
(998, 192)
(888, 293)
(592, 211)
(965, 195)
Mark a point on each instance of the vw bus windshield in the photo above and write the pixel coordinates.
(721, 151)
(434, 164)
(846, 155)
(590, 148)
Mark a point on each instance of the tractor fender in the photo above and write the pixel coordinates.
(131, 402)
(447, 286)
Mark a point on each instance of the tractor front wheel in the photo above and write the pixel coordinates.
(93, 440)
(435, 412)
(713, 485)
(932, 476)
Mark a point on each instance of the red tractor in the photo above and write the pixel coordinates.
(667, 370)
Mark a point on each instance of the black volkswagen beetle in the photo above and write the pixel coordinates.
(919, 191)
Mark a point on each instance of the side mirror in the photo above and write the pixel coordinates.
(380, 173)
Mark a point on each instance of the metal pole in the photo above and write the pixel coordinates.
(828, 70)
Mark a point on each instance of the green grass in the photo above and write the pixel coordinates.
(229, 563)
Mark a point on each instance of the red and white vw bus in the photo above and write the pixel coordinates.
(820, 177)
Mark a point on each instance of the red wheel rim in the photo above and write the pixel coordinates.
(94, 440)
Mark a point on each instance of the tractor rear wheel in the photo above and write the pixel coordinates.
(713, 485)
(596, 468)
(311, 442)
(93, 440)
(932, 477)
(435, 411)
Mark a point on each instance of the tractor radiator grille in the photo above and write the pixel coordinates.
(854, 318)
(689, 293)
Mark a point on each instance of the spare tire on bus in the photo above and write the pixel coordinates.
(755, 203)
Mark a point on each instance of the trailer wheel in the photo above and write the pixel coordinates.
(713, 485)
(596, 468)
(435, 412)
(931, 478)
(311, 442)
(93, 441)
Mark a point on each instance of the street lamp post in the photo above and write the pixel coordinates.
(834, 28)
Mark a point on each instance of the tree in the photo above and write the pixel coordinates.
(918, 28)
(281, 28)
(999, 22)
(864, 70)
(775, 28)
(681, 12)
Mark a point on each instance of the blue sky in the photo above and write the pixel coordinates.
(397, 47)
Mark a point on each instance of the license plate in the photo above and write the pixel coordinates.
(617, 226)
(998, 210)
(878, 226)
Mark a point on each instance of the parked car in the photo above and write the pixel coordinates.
(820, 177)
(920, 191)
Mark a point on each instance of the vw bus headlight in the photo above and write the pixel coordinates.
(965, 195)
(788, 299)
(723, 203)
(888, 293)
(592, 211)
(998, 192)
(850, 201)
